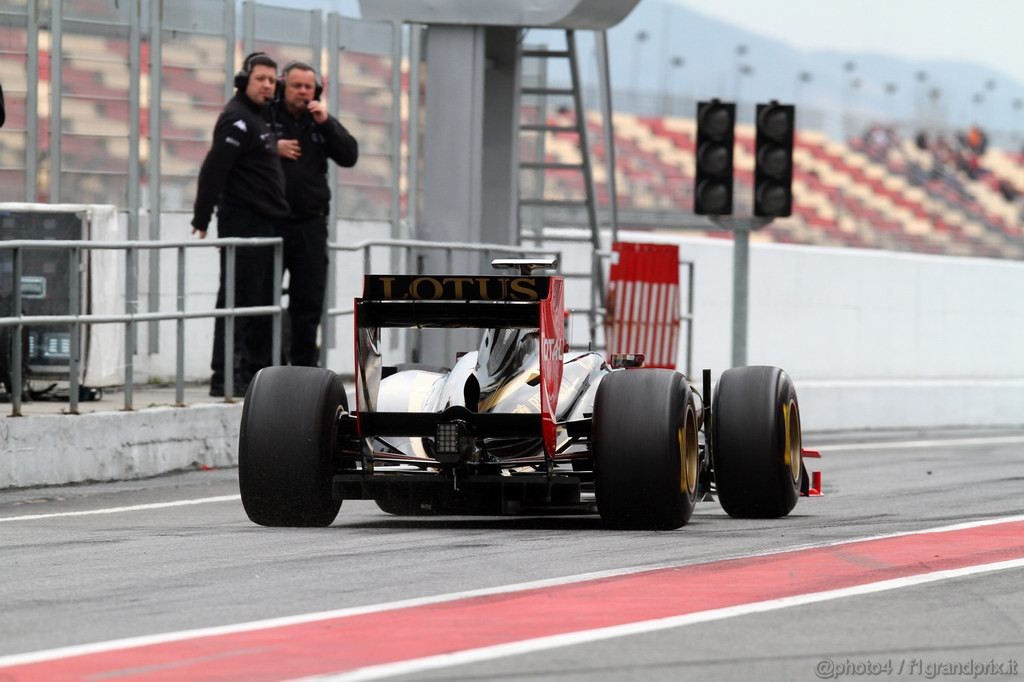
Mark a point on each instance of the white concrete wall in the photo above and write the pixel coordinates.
(112, 446)
(872, 339)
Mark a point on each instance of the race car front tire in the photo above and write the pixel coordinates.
(645, 449)
(285, 466)
(757, 442)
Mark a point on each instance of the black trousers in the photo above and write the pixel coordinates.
(254, 286)
(305, 258)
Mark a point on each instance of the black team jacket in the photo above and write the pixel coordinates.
(242, 169)
(306, 176)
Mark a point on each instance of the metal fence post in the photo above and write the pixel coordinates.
(275, 343)
(179, 374)
(74, 308)
(129, 330)
(16, 340)
(229, 325)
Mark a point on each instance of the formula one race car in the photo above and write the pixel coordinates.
(518, 426)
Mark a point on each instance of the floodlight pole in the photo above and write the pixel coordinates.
(741, 229)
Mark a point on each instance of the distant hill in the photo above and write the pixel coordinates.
(709, 48)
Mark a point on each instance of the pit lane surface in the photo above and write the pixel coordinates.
(71, 578)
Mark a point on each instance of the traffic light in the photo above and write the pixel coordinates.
(712, 194)
(773, 160)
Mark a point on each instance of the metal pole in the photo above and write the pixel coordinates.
(333, 102)
(229, 325)
(740, 284)
(248, 26)
(605, 87)
(129, 331)
(179, 372)
(396, 150)
(231, 38)
(413, 165)
(396, 133)
(275, 343)
(32, 104)
(134, 133)
(156, 10)
(316, 39)
(56, 88)
(74, 302)
(16, 340)
(689, 325)
(536, 214)
(413, 172)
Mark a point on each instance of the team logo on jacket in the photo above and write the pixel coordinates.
(241, 126)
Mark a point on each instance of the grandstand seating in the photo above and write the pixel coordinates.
(878, 192)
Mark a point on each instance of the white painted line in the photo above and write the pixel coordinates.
(163, 638)
(911, 444)
(118, 510)
(586, 636)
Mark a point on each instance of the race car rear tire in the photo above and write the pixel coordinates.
(285, 466)
(645, 449)
(757, 442)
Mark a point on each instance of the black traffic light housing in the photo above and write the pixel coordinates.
(712, 194)
(773, 160)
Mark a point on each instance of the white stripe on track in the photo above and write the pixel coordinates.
(586, 636)
(118, 510)
(911, 444)
(163, 638)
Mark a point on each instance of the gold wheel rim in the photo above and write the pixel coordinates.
(793, 446)
(687, 434)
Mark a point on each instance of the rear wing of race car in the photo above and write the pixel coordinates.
(458, 301)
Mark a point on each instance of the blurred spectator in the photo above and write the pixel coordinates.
(921, 140)
(976, 140)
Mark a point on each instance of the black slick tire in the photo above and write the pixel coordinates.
(757, 442)
(645, 449)
(285, 447)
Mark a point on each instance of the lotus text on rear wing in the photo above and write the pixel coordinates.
(455, 288)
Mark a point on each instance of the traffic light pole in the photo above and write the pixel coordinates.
(741, 229)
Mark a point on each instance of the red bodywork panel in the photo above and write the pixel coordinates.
(552, 348)
(814, 490)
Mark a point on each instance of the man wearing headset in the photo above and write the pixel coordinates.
(307, 137)
(243, 178)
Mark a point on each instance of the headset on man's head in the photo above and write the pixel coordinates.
(242, 76)
(305, 66)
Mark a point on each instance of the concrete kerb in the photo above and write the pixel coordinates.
(108, 446)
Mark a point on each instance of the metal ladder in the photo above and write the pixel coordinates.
(534, 229)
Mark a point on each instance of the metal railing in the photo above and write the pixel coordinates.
(130, 319)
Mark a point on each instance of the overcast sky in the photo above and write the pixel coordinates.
(989, 32)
